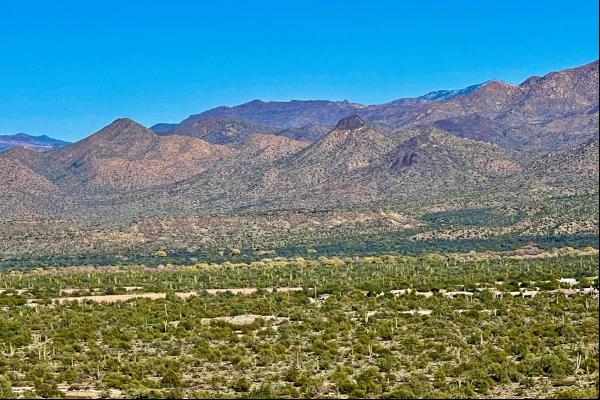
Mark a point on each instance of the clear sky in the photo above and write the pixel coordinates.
(67, 68)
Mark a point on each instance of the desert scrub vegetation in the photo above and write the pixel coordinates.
(481, 325)
(409, 228)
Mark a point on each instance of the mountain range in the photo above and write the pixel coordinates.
(38, 143)
(541, 114)
(492, 146)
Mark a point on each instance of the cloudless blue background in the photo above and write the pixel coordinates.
(67, 68)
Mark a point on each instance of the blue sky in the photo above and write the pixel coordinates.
(67, 68)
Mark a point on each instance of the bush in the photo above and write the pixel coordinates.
(6, 388)
(553, 365)
(171, 379)
(480, 381)
(47, 389)
(242, 385)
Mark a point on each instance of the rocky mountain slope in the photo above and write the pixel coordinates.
(126, 172)
(219, 130)
(124, 156)
(576, 164)
(543, 113)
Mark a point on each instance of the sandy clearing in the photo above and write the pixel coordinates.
(417, 312)
(459, 293)
(82, 394)
(246, 319)
(113, 298)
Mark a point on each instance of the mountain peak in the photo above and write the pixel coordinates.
(124, 123)
(494, 84)
(122, 127)
(21, 135)
(440, 95)
(350, 123)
